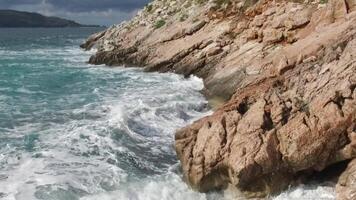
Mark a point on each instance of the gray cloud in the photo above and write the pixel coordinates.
(105, 12)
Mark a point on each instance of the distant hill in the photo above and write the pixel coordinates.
(12, 18)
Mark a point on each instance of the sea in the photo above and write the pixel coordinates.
(73, 131)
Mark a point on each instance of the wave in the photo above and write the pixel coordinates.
(69, 130)
(311, 191)
(122, 135)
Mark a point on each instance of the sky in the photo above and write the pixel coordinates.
(99, 12)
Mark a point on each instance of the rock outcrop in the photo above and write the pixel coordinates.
(284, 71)
(346, 187)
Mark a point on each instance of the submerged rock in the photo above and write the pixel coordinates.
(286, 72)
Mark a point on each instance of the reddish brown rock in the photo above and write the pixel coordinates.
(284, 72)
(346, 187)
(275, 127)
(298, 19)
(271, 35)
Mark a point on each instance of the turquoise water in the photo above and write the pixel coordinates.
(69, 130)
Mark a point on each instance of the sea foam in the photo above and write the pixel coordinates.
(69, 130)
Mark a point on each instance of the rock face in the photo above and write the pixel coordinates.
(346, 187)
(278, 125)
(285, 70)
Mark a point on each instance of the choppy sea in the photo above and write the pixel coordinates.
(70, 130)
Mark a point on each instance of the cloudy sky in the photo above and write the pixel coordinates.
(103, 12)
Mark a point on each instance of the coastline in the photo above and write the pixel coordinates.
(283, 70)
(73, 131)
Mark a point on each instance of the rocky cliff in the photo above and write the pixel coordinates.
(282, 74)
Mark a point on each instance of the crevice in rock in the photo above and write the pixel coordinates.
(278, 84)
(224, 139)
(347, 6)
(344, 140)
(330, 173)
(243, 107)
(217, 179)
(267, 121)
(286, 112)
(339, 101)
(352, 88)
(209, 124)
(304, 121)
(305, 108)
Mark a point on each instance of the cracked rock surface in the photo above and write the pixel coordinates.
(283, 72)
(346, 187)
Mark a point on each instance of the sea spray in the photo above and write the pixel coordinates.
(69, 130)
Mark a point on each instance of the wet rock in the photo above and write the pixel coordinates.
(346, 186)
(284, 72)
(91, 41)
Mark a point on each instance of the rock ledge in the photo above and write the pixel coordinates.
(284, 72)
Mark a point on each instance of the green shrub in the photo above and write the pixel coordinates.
(160, 23)
(149, 8)
(323, 1)
(199, 2)
(219, 3)
(187, 5)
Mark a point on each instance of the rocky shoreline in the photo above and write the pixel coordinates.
(283, 72)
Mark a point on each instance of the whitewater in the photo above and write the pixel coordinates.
(70, 130)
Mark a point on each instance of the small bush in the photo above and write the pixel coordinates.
(323, 1)
(160, 23)
(219, 3)
(199, 2)
(249, 3)
(149, 8)
(187, 5)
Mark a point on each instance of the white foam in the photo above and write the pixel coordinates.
(309, 192)
(119, 145)
(63, 144)
(166, 187)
